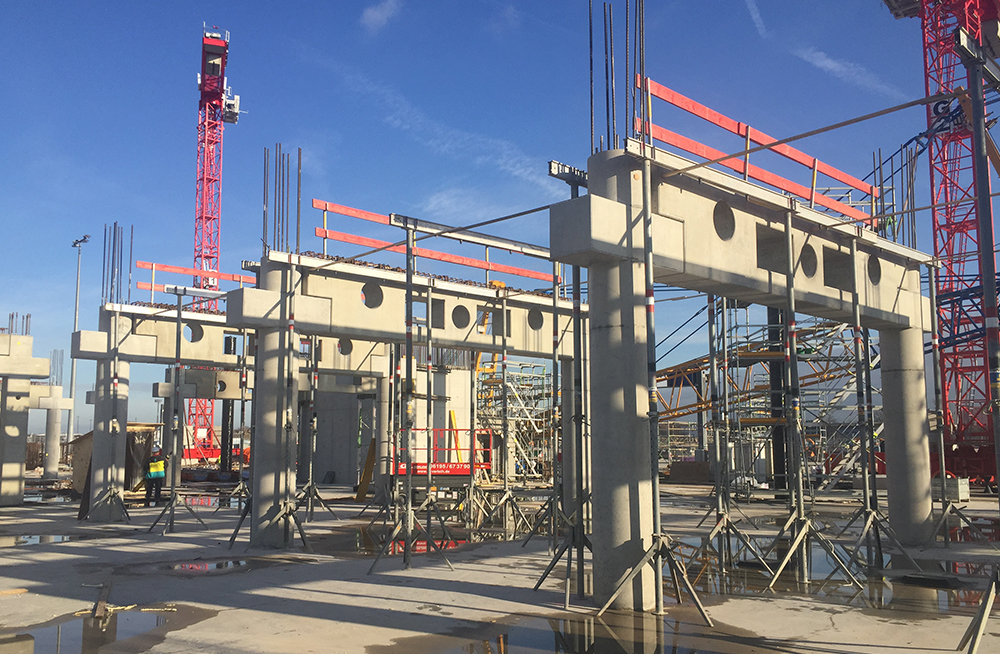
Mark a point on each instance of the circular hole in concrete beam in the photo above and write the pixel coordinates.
(193, 333)
(371, 295)
(220, 387)
(535, 319)
(808, 261)
(345, 346)
(874, 270)
(460, 316)
(724, 220)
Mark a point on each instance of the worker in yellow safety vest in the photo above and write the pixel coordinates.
(156, 467)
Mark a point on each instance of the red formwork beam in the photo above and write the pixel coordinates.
(756, 136)
(163, 267)
(754, 172)
(433, 254)
(340, 209)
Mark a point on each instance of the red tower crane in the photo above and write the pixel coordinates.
(964, 365)
(216, 106)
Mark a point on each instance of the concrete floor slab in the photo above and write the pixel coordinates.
(325, 602)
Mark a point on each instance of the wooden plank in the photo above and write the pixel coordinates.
(366, 476)
(101, 608)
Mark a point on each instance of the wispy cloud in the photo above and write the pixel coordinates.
(506, 19)
(375, 17)
(758, 22)
(849, 72)
(460, 205)
(477, 149)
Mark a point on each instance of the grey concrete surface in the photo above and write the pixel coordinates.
(324, 602)
(14, 401)
(906, 433)
(622, 482)
(107, 467)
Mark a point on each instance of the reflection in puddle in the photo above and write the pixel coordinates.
(365, 542)
(932, 590)
(46, 498)
(208, 566)
(615, 633)
(86, 635)
(38, 539)
(212, 501)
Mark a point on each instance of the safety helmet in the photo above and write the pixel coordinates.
(156, 449)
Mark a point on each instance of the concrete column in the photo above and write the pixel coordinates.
(50, 462)
(383, 468)
(368, 405)
(107, 462)
(906, 433)
(620, 450)
(568, 438)
(14, 398)
(303, 452)
(171, 449)
(622, 488)
(271, 454)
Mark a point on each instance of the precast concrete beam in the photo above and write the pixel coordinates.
(207, 385)
(17, 361)
(356, 302)
(722, 235)
(148, 335)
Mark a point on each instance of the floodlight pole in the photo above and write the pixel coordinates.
(78, 244)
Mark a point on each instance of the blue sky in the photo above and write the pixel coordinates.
(446, 111)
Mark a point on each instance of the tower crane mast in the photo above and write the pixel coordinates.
(964, 365)
(216, 106)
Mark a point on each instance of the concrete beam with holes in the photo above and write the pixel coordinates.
(719, 234)
(722, 235)
(149, 335)
(350, 301)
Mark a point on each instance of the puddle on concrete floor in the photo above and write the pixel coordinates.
(134, 630)
(200, 567)
(365, 542)
(39, 539)
(680, 633)
(931, 591)
(212, 501)
(209, 566)
(46, 498)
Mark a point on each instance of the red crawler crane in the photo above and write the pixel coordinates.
(216, 106)
(964, 365)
